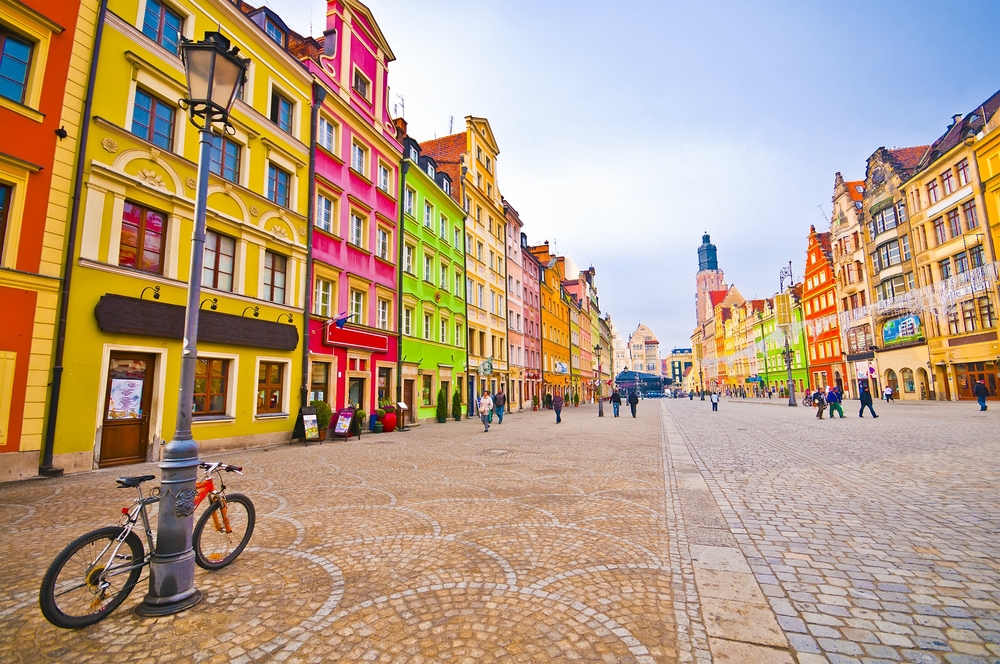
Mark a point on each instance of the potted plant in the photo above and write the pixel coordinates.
(379, 417)
(534, 402)
(576, 399)
(323, 416)
(456, 406)
(442, 407)
(360, 417)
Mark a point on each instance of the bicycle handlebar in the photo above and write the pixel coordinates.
(211, 467)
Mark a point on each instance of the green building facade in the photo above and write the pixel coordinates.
(432, 316)
(775, 370)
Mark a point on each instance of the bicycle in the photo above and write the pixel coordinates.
(807, 401)
(96, 572)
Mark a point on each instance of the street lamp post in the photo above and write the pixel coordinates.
(600, 404)
(215, 73)
(767, 380)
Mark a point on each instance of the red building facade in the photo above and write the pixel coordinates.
(819, 301)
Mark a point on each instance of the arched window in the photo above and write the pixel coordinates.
(908, 385)
(891, 380)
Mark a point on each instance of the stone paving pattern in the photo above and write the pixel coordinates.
(874, 540)
(753, 535)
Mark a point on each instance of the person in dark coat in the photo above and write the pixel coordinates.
(633, 401)
(616, 401)
(866, 401)
(980, 391)
(499, 401)
(557, 404)
(833, 398)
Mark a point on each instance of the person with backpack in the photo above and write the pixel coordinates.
(834, 399)
(485, 406)
(616, 401)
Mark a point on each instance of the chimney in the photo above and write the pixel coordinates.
(955, 119)
(330, 42)
(400, 128)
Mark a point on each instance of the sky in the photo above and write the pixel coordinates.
(627, 130)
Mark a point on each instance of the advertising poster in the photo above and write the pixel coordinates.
(125, 399)
(904, 329)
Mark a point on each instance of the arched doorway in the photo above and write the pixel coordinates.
(838, 380)
(892, 381)
(923, 387)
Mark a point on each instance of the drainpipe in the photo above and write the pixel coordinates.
(318, 94)
(471, 386)
(46, 468)
(404, 166)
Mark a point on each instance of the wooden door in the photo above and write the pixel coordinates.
(125, 434)
(408, 400)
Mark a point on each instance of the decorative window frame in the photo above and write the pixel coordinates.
(16, 173)
(38, 29)
(286, 384)
(232, 390)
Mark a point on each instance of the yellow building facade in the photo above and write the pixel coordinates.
(132, 259)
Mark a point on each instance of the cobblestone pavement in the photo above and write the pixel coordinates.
(874, 540)
(756, 535)
(533, 542)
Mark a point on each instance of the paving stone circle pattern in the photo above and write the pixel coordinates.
(752, 535)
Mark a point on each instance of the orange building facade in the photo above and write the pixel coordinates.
(819, 302)
(46, 54)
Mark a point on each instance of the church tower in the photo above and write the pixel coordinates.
(709, 278)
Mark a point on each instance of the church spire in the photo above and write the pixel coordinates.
(707, 254)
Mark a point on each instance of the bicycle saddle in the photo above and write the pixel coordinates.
(128, 482)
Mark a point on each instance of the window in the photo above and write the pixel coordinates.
(225, 158)
(986, 313)
(211, 386)
(275, 32)
(324, 213)
(428, 215)
(458, 284)
(220, 252)
(489, 166)
(358, 306)
(425, 389)
(443, 227)
(904, 243)
(383, 314)
(963, 172)
(948, 182)
(320, 382)
(6, 192)
(141, 245)
(945, 268)
(382, 250)
(274, 277)
(976, 256)
(969, 315)
(932, 192)
(479, 251)
(430, 170)
(479, 214)
(939, 235)
(15, 63)
(408, 259)
(444, 277)
(444, 332)
(152, 119)
(357, 236)
(427, 326)
(458, 334)
(281, 111)
(408, 321)
(458, 238)
(428, 266)
(961, 263)
(409, 201)
(971, 218)
(383, 178)
(270, 385)
(279, 185)
(359, 157)
(481, 298)
(327, 135)
(479, 155)
(954, 227)
(162, 26)
(446, 186)
(361, 84)
(322, 298)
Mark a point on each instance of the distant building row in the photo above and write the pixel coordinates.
(901, 292)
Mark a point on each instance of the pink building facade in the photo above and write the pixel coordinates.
(355, 235)
(531, 272)
(515, 310)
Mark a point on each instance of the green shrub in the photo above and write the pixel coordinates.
(323, 416)
(456, 406)
(442, 406)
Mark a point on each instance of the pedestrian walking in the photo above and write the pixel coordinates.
(819, 401)
(981, 392)
(834, 400)
(557, 404)
(866, 401)
(633, 401)
(715, 402)
(616, 401)
(499, 401)
(485, 406)
(887, 394)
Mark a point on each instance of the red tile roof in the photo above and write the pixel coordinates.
(447, 153)
(717, 296)
(852, 189)
(907, 159)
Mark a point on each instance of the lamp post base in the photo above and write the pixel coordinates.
(600, 408)
(147, 610)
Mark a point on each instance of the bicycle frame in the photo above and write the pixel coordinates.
(130, 516)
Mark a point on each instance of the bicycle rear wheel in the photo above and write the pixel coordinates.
(84, 584)
(215, 546)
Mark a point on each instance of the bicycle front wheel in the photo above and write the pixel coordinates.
(88, 579)
(223, 531)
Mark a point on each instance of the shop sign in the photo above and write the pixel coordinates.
(561, 368)
(901, 330)
(353, 338)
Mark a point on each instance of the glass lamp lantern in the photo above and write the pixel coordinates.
(215, 73)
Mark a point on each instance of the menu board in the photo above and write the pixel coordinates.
(345, 425)
(311, 426)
